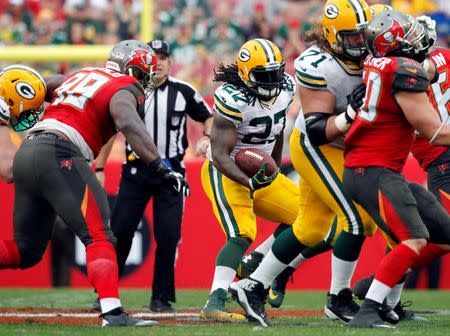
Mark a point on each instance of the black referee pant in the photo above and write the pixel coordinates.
(136, 189)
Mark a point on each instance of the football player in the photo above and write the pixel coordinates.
(329, 75)
(52, 175)
(278, 286)
(251, 109)
(22, 94)
(377, 146)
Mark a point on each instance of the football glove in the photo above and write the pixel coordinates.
(260, 180)
(430, 27)
(174, 180)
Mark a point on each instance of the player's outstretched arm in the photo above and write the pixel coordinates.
(7, 152)
(223, 140)
(123, 111)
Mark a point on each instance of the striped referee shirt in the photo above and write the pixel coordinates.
(165, 112)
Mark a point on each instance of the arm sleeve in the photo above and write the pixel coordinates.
(136, 90)
(409, 76)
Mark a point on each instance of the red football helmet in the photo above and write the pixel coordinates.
(134, 58)
(393, 33)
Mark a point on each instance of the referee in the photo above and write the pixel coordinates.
(166, 111)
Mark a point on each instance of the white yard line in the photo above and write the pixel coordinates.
(92, 315)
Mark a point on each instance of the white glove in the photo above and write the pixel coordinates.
(430, 27)
(4, 111)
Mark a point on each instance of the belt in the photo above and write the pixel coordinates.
(45, 135)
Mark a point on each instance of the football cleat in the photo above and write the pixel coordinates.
(118, 318)
(96, 305)
(278, 288)
(250, 294)
(360, 290)
(407, 315)
(341, 306)
(368, 316)
(362, 286)
(215, 310)
(160, 306)
(249, 264)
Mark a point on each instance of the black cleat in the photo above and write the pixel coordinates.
(96, 305)
(407, 315)
(249, 264)
(277, 290)
(118, 318)
(362, 286)
(368, 316)
(250, 294)
(388, 314)
(160, 306)
(341, 306)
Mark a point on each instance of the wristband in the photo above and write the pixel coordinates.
(99, 169)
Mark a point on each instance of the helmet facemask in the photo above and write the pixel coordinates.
(266, 82)
(353, 45)
(26, 119)
(415, 43)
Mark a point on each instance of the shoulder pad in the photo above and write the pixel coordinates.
(409, 76)
(308, 69)
(226, 99)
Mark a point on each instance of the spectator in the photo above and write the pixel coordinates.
(184, 48)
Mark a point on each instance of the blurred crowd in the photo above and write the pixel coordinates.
(201, 33)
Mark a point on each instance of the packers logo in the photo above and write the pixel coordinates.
(244, 55)
(25, 90)
(331, 11)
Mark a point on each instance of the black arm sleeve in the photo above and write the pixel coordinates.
(316, 123)
(409, 76)
(136, 90)
(196, 106)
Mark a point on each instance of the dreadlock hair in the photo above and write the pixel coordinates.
(228, 74)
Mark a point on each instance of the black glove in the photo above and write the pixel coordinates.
(355, 101)
(169, 177)
(356, 97)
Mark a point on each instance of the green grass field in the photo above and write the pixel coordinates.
(437, 324)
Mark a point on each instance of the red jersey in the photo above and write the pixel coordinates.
(82, 102)
(380, 134)
(439, 94)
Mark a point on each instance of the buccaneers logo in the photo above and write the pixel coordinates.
(389, 40)
(142, 59)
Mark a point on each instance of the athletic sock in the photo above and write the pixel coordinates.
(344, 259)
(223, 276)
(297, 261)
(428, 254)
(101, 264)
(9, 254)
(287, 247)
(108, 304)
(378, 291)
(266, 245)
(268, 270)
(392, 268)
(227, 262)
(393, 297)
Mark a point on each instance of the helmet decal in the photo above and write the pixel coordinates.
(244, 55)
(140, 58)
(389, 40)
(25, 90)
(331, 11)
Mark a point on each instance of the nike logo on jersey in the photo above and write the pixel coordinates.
(411, 70)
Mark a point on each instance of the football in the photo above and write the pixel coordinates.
(249, 160)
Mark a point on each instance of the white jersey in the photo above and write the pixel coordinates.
(317, 69)
(258, 122)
